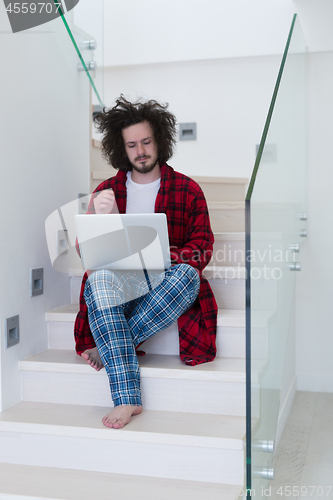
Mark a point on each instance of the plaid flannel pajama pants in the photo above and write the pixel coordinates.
(124, 309)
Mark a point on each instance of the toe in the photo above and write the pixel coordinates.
(119, 424)
(106, 422)
(109, 421)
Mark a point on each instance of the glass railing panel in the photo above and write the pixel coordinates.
(72, 55)
(88, 20)
(90, 52)
(275, 204)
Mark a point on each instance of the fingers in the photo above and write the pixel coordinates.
(104, 202)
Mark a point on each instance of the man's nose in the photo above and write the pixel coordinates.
(141, 149)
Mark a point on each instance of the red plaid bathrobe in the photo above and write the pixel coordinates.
(191, 241)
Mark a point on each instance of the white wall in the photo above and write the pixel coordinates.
(184, 30)
(180, 30)
(228, 98)
(44, 164)
(316, 18)
(315, 282)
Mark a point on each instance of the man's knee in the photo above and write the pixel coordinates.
(102, 280)
(188, 271)
(102, 277)
(189, 277)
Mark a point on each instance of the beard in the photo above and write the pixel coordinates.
(145, 167)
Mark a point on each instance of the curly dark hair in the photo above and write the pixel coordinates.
(124, 114)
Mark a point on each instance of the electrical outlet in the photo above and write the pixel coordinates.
(12, 331)
(37, 281)
(83, 203)
(187, 131)
(62, 243)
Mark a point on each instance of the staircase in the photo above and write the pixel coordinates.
(188, 443)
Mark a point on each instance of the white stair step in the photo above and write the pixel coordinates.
(228, 285)
(229, 294)
(99, 165)
(26, 482)
(167, 384)
(229, 249)
(75, 288)
(96, 143)
(215, 188)
(227, 282)
(73, 437)
(227, 216)
(225, 273)
(230, 339)
(102, 175)
(64, 313)
(228, 252)
(222, 188)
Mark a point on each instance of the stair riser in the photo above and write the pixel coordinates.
(24, 482)
(228, 253)
(76, 282)
(192, 396)
(213, 191)
(99, 163)
(61, 335)
(229, 293)
(264, 293)
(141, 459)
(223, 192)
(227, 220)
(230, 341)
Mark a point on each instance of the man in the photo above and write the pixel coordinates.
(138, 141)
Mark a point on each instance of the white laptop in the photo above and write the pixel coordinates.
(123, 241)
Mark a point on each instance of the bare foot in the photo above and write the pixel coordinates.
(93, 358)
(121, 415)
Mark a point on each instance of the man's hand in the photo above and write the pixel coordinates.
(104, 201)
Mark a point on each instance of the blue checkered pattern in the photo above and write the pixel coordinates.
(120, 322)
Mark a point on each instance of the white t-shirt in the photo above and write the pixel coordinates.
(141, 200)
(141, 197)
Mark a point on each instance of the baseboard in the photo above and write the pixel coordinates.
(315, 383)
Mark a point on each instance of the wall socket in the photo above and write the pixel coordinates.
(12, 331)
(37, 282)
(83, 204)
(187, 131)
(62, 242)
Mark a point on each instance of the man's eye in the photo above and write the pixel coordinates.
(130, 146)
(146, 143)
